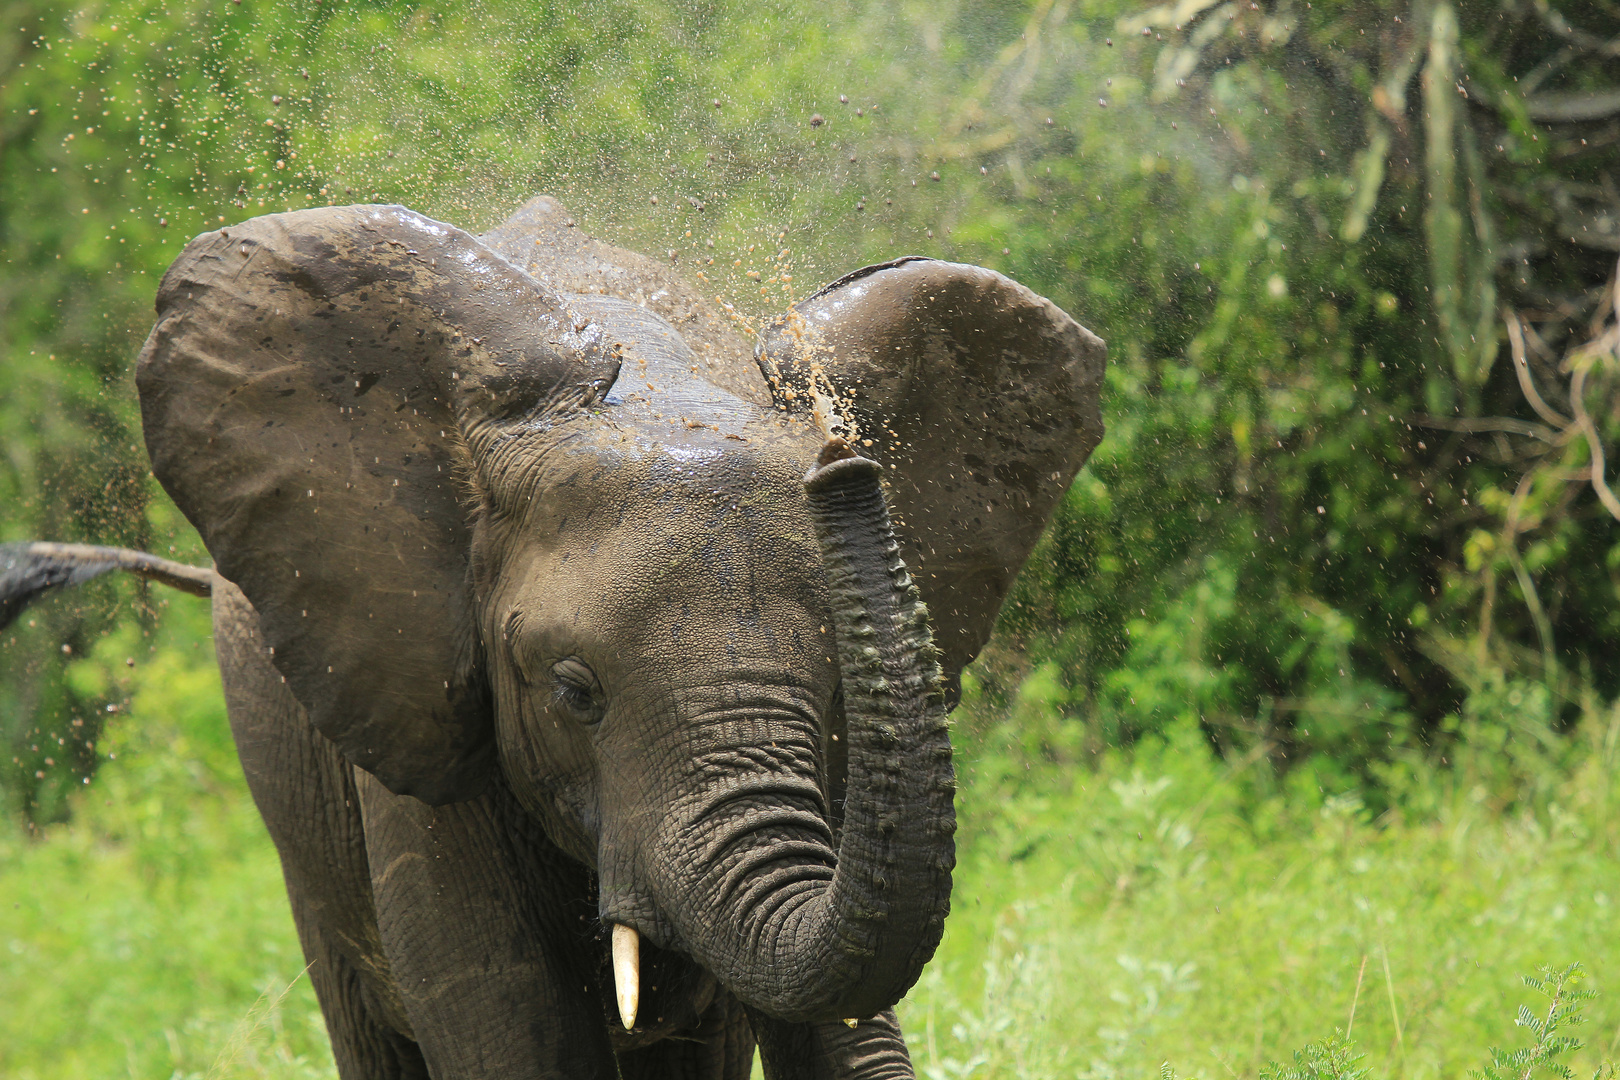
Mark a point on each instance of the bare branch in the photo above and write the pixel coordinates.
(1492, 423)
(1600, 484)
(1581, 39)
(1521, 368)
(1572, 108)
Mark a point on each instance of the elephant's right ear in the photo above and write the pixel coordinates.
(305, 394)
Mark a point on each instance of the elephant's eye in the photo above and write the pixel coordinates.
(576, 689)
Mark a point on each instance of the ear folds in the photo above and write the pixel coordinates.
(980, 399)
(305, 394)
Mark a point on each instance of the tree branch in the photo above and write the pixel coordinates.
(1521, 368)
(1572, 108)
(1491, 423)
(1577, 395)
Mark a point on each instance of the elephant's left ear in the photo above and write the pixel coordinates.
(979, 397)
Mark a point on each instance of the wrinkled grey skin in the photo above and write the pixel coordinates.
(531, 624)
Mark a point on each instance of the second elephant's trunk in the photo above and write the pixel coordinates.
(813, 945)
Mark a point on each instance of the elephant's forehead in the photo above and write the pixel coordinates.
(664, 496)
(681, 465)
(695, 516)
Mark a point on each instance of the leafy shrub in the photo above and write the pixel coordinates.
(1328, 511)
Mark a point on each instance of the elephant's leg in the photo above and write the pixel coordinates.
(362, 1047)
(305, 792)
(720, 1048)
(872, 1050)
(489, 931)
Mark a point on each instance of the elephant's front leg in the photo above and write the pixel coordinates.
(480, 918)
(872, 1050)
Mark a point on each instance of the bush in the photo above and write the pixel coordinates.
(1327, 513)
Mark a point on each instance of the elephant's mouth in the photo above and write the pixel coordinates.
(671, 991)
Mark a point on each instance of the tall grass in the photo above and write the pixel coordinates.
(1140, 908)
(1165, 906)
(151, 937)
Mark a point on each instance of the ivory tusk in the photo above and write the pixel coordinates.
(851, 1022)
(627, 973)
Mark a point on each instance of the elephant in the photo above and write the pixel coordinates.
(589, 665)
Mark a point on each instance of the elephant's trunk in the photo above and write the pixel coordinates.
(795, 939)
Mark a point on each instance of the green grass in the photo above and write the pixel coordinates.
(137, 940)
(1154, 911)
(1156, 907)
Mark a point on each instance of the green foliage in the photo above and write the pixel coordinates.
(1327, 513)
(1332, 1058)
(1560, 988)
(1167, 905)
(1337, 1057)
(151, 936)
(1305, 527)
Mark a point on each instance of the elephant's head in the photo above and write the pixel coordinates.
(524, 503)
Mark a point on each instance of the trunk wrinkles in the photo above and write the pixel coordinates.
(801, 947)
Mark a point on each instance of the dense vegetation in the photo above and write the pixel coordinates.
(1347, 542)
(1332, 515)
